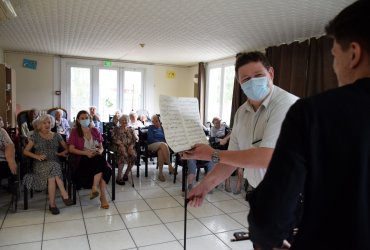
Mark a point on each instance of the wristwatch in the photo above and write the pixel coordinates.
(215, 156)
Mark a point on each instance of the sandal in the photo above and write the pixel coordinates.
(171, 169)
(161, 177)
(104, 204)
(94, 194)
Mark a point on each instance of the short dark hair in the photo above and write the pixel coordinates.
(352, 25)
(245, 58)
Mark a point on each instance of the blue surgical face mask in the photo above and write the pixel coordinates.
(256, 88)
(85, 123)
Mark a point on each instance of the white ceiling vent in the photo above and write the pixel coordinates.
(6, 10)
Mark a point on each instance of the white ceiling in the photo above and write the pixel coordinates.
(180, 32)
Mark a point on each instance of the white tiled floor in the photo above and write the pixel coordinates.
(147, 217)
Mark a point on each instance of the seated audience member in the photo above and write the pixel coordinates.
(92, 170)
(219, 135)
(7, 153)
(95, 117)
(61, 124)
(134, 123)
(26, 126)
(47, 172)
(124, 139)
(157, 143)
(219, 140)
(192, 169)
(115, 120)
(144, 120)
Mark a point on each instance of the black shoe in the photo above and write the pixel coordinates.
(67, 202)
(54, 210)
(249, 192)
(125, 178)
(120, 182)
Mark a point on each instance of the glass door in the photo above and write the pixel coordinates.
(108, 93)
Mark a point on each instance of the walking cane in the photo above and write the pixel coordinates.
(185, 202)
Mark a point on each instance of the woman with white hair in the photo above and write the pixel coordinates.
(61, 123)
(124, 139)
(47, 170)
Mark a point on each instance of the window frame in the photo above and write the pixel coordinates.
(223, 64)
(94, 66)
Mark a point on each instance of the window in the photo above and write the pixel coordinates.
(220, 92)
(80, 90)
(132, 92)
(109, 89)
(108, 94)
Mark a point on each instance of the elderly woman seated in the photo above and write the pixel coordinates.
(144, 120)
(124, 139)
(61, 124)
(47, 171)
(7, 153)
(157, 143)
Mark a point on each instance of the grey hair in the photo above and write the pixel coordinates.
(126, 117)
(61, 112)
(36, 123)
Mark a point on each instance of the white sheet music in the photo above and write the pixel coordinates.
(181, 122)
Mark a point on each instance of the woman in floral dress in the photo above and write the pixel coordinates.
(124, 139)
(47, 171)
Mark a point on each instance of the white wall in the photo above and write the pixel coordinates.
(181, 85)
(34, 87)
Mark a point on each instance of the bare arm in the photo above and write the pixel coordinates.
(219, 173)
(27, 152)
(10, 157)
(65, 151)
(249, 158)
(88, 153)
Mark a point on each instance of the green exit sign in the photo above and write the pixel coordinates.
(107, 63)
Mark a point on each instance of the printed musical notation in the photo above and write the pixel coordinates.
(181, 122)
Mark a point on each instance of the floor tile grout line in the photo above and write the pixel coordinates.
(128, 231)
(84, 221)
(43, 224)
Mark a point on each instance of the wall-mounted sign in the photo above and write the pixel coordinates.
(29, 64)
(171, 74)
(107, 63)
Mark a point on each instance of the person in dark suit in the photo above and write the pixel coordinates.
(324, 143)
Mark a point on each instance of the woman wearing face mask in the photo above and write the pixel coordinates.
(92, 170)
